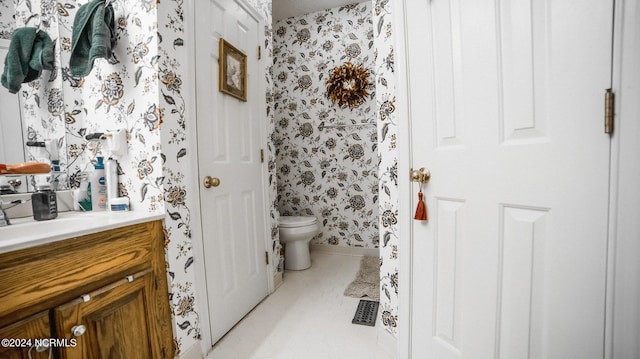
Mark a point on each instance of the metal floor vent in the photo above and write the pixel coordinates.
(366, 313)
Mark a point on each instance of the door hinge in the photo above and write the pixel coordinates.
(259, 52)
(261, 155)
(266, 257)
(609, 110)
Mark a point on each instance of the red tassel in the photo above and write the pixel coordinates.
(421, 210)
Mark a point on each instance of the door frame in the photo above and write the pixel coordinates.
(622, 326)
(623, 269)
(405, 160)
(200, 274)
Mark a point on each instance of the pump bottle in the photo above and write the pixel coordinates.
(99, 187)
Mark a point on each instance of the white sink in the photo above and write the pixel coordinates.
(65, 203)
(27, 232)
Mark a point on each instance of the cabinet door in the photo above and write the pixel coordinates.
(22, 338)
(116, 321)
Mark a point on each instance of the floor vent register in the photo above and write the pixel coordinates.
(366, 313)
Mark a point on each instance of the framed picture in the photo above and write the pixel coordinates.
(233, 71)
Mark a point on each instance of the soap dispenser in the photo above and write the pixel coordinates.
(99, 187)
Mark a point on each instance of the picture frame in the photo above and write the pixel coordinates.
(232, 71)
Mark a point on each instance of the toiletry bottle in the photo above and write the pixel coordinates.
(44, 203)
(99, 187)
(111, 170)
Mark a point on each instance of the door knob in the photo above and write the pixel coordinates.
(420, 175)
(211, 181)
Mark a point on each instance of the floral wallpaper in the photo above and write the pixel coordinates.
(143, 90)
(325, 155)
(180, 196)
(7, 23)
(388, 167)
(120, 94)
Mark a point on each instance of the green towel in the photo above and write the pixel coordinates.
(93, 36)
(30, 52)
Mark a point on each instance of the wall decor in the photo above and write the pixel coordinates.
(348, 85)
(233, 71)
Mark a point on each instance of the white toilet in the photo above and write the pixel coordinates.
(295, 234)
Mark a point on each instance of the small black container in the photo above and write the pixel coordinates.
(44, 203)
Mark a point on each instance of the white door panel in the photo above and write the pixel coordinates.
(506, 107)
(229, 140)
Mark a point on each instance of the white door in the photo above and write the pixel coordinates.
(507, 113)
(229, 140)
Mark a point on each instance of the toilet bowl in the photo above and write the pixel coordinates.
(295, 234)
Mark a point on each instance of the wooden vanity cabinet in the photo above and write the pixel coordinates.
(106, 291)
(36, 326)
(110, 321)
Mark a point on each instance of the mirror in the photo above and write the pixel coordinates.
(35, 115)
(11, 140)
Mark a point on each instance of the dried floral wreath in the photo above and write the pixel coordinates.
(348, 84)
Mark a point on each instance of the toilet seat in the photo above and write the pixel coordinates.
(296, 221)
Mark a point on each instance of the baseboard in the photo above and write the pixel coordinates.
(349, 251)
(387, 341)
(277, 280)
(194, 352)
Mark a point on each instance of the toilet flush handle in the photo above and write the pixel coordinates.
(211, 181)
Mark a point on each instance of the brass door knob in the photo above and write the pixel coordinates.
(211, 182)
(420, 175)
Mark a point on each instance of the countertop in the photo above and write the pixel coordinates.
(26, 232)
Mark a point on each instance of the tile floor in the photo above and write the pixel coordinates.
(308, 317)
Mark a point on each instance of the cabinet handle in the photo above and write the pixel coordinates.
(128, 279)
(78, 330)
(42, 347)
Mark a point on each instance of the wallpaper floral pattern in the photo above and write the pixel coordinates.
(326, 156)
(118, 95)
(388, 167)
(144, 91)
(7, 23)
(177, 190)
(180, 195)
